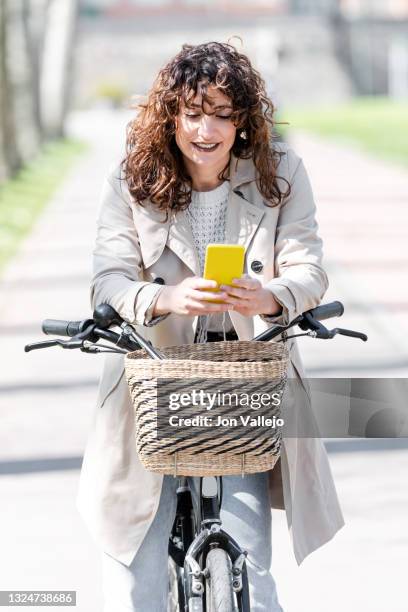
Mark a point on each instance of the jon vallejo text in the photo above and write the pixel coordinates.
(226, 421)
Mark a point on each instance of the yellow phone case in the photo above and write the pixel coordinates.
(223, 262)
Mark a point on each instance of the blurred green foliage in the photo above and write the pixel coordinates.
(115, 93)
(24, 196)
(379, 125)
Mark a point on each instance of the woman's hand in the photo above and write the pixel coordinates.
(249, 298)
(190, 298)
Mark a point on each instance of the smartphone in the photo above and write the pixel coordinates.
(223, 262)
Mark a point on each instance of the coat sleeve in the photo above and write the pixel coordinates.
(300, 281)
(117, 261)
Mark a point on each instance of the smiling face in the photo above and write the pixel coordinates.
(205, 135)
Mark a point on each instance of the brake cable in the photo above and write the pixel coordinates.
(93, 348)
(311, 334)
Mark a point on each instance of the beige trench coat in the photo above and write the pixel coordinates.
(117, 497)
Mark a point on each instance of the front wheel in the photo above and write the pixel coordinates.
(219, 593)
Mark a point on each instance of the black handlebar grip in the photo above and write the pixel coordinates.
(64, 328)
(327, 311)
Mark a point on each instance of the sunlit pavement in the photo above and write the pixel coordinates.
(363, 215)
(48, 397)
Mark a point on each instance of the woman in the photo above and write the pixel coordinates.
(201, 167)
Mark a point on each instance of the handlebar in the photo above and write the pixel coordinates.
(85, 334)
(104, 316)
(65, 328)
(327, 311)
(94, 329)
(307, 320)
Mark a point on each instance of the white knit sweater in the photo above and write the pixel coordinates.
(207, 216)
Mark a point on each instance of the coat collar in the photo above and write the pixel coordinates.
(243, 218)
(241, 171)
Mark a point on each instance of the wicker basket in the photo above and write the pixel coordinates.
(217, 368)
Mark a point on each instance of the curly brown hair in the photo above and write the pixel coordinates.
(153, 166)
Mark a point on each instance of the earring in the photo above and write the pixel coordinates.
(243, 135)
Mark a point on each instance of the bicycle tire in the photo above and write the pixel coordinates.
(219, 592)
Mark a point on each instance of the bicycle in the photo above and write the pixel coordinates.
(207, 567)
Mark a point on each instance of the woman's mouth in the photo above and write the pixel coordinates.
(207, 148)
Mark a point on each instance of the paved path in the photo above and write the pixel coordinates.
(47, 398)
(363, 217)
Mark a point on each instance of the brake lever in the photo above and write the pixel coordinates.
(320, 331)
(349, 332)
(39, 345)
(68, 344)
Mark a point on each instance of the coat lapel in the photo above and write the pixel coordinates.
(243, 219)
(181, 241)
(152, 230)
(154, 233)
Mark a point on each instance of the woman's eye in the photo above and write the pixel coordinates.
(190, 116)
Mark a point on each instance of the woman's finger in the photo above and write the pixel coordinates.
(247, 283)
(206, 296)
(237, 302)
(243, 294)
(197, 282)
(196, 307)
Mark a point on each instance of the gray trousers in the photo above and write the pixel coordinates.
(245, 515)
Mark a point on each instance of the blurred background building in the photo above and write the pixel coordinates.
(308, 50)
(57, 54)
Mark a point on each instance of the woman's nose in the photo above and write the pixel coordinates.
(206, 128)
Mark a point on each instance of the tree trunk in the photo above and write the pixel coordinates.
(10, 159)
(34, 24)
(56, 78)
(36, 49)
(19, 69)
